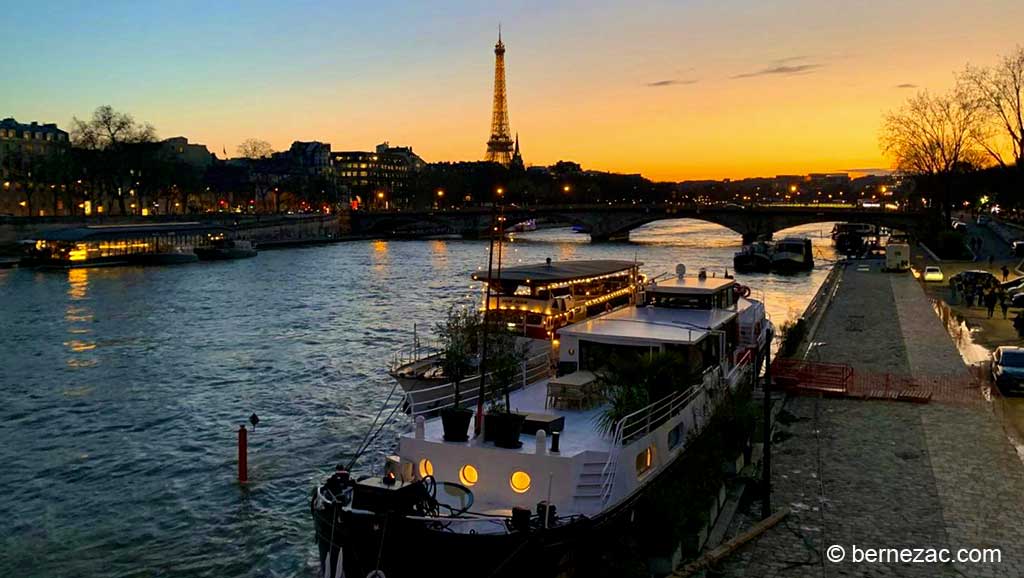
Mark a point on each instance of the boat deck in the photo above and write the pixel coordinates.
(579, 434)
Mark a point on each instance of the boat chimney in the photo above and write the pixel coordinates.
(548, 261)
(542, 442)
(420, 427)
(554, 441)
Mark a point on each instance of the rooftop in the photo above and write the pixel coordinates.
(651, 325)
(690, 284)
(556, 271)
(109, 232)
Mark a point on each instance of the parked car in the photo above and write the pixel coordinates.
(933, 273)
(1008, 368)
(1018, 248)
(984, 219)
(974, 277)
(960, 227)
(1017, 299)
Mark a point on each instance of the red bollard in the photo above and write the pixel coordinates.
(243, 455)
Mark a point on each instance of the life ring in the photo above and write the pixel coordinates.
(742, 291)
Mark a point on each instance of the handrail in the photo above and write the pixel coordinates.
(653, 413)
(529, 372)
(420, 349)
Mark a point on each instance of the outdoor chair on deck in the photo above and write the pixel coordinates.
(573, 391)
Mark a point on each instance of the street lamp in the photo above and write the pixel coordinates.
(566, 188)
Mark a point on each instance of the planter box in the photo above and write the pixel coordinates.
(456, 424)
(503, 429)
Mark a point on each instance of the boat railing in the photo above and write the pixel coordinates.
(413, 352)
(645, 420)
(432, 399)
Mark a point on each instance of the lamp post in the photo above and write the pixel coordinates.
(440, 197)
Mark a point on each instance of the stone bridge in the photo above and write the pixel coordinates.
(614, 222)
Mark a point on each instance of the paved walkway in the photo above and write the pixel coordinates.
(886, 474)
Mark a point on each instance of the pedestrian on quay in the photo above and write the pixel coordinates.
(1006, 273)
(1004, 303)
(990, 302)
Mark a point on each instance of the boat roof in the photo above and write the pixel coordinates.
(652, 325)
(112, 232)
(560, 271)
(690, 284)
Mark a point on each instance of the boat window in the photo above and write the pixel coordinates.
(675, 436)
(520, 482)
(468, 475)
(522, 291)
(533, 319)
(644, 461)
(679, 301)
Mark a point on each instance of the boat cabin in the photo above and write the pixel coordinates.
(699, 317)
(536, 300)
(121, 244)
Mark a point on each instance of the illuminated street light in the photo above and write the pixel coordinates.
(566, 188)
(440, 193)
(792, 188)
(501, 191)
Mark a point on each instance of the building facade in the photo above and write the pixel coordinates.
(179, 149)
(26, 155)
(383, 177)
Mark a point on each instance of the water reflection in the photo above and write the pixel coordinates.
(75, 314)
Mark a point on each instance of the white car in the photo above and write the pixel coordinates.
(933, 273)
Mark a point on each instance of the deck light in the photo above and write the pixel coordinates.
(468, 475)
(520, 482)
(426, 468)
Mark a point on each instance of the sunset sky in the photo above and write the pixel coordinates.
(675, 90)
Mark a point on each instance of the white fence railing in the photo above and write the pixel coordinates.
(434, 398)
(417, 350)
(644, 420)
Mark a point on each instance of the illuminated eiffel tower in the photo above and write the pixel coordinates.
(499, 146)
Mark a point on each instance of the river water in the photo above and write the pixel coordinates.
(123, 390)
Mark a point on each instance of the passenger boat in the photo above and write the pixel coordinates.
(792, 254)
(226, 249)
(104, 245)
(849, 237)
(481, 508)
(753, 258)
(533, 302)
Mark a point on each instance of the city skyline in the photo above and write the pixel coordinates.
(674, 93)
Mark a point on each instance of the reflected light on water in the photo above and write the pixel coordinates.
(78, 283)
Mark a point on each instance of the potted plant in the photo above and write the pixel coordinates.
(458, 337)
(501, 425)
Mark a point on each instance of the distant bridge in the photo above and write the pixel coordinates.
(614, 222)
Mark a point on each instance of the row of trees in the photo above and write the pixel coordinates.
(116, 165)
(968, 142)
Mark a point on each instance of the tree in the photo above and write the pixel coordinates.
(932, 136)
(1000, 94)
(254, 148)
(258, 152)
(111, 133)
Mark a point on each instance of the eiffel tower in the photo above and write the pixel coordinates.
(499, 146)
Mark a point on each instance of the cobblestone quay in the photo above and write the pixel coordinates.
(880, 474)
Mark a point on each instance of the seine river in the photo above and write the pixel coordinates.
(123, 390)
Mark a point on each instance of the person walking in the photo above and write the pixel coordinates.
(990, 302)
(1004, 303)
(1006, 273)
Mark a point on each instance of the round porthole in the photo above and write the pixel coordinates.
(426, 468)
(468, 475)
(520, 482)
